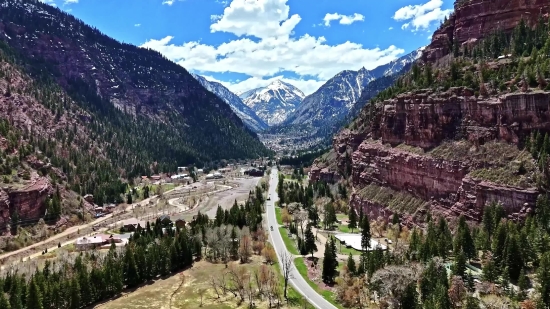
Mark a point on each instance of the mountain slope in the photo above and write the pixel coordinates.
(247, 115)
(274, 102)
(135, 112)
(333, 101)
(96, 70)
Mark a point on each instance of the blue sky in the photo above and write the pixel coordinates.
(248, 43)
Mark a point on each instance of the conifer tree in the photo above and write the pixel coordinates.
(351, 265)
(309, 241)
(329, 262)
(352, 219)
(34, 296)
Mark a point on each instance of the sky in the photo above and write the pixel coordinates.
(245, 44)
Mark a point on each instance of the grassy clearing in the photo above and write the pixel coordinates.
(157, 294)
(328, 295)
(279, 215)
(504, 163)
(345, 250)
(398, 201)
(342, 217)
(345, 229)
(289, 242)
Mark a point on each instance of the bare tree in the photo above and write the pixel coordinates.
(201, 292)
(214, 283)
(286, 267)
(269, 253)
(245, 247)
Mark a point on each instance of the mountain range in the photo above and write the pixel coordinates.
(273, 103)
(334, 100)
(247, 115)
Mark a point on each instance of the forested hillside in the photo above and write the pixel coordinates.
(102, 111)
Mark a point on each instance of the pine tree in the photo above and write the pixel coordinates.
(351, 265)
(523, 284)
(74, 295)
(34, 296)
(365, 234)
(329, 262)
(460, 264)
(15, 294)
(309, 241)
(543, 277)
(352, 219)
(4, 303)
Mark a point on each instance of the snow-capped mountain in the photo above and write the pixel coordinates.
(333, 101)
(247, 115)
(274, 102)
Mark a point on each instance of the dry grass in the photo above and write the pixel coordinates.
(398, 201)
(497, 162)
(157, 295)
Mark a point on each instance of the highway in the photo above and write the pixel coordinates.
(296, 280)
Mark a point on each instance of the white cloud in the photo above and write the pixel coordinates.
(259, 18)
(170, 2)
(390, 28)
(344, 19)
(70, 1)
(137, 25)
(214, 18)
(275, 51)
(422, 15)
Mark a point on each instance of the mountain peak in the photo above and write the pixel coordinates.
(274, 102)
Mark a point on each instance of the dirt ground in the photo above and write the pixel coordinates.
(157, 295)
(225, 199)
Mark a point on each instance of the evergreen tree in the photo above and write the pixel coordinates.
(351, 265)
(16, 294)
(34, 296)
(74, 295)
(330, 262)
(459, 267)
(4, 303)
(543, 277)
(309, 241)
(352, 219)
(365, 234)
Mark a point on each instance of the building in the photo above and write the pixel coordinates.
(200, 171)
(354, 241)
(95, 241)
(89, 198)
(180, 223)
(182, 169)
(156, 177)
(210, 176)
(131, 225)
(254, 172)
(218, 175)
(165, 219)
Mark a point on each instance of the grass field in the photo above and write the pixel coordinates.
(289, 243)
(328, 295)
(279, 215)
(158, 294)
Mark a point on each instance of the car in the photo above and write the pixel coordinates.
(272, 227)
(269, 198)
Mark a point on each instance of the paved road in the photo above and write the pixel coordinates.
(296, 280)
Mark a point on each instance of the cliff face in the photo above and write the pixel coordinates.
(28, 201)
(390, 153)
(475, 19)
(424, 119)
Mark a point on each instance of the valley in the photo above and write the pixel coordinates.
(254, 162)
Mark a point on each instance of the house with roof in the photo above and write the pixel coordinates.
(95, 241)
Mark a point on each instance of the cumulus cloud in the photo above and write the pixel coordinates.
(70, 1)
(50, 2)
(137, 25)
(170, 2)
(275, 51)
(422, 15)
(344, 19)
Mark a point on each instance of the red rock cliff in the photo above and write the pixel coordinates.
(28, 201)
(475, 19)
(426, 120)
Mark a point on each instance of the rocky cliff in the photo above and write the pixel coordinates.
(27, 200)
(447, 153)
(473, 20)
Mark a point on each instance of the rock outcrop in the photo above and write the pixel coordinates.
(473, 20)
(28, 200)
(425, 119)
(421, 121)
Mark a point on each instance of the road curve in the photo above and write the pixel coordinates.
(296, 280)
